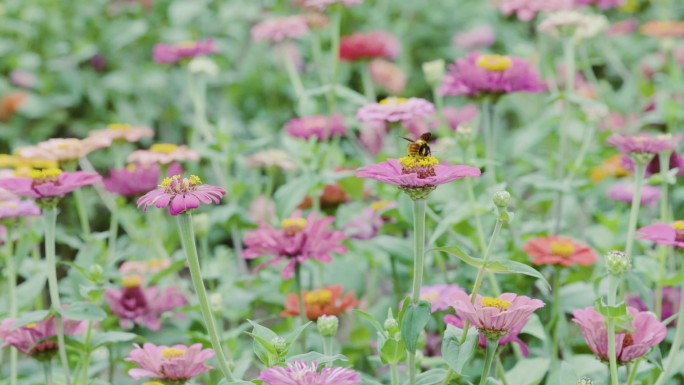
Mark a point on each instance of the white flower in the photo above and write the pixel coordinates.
(573, 24)
(203, 65)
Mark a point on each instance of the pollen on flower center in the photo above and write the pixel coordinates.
(131, 281)
(293, 225)
(131, 167)
(379, 205)
(9, 204)
(163, 148)
(678, 225)
(496, 302)
(31, 325)
(562, 248)
(318, 297)
(179, 185)
(170, 353)
(43, 176)
(496, 63)
(152, 383)
(393, 101)
(119, 126)
(424, 166)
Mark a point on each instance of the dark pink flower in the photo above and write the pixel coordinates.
(371, 45)
(134, 179)
(512, 336)
(171, 53)
(176, 363)
(319, 126)
(672, 297)
(49, 183)
(18, 208)
(281, 28)
(676, 161)
(301, 372)
(37, 339)
(644, 143)
(298, 240)
(624, 192)
(664, 234)
(479, 37)
(480, 74)
(629, 346)
(181, 194)
(396, 110)
(133, 304)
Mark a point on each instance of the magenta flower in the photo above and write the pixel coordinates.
(479, 37)
(298, 240)
(181, 194)
(323, 4)
(281, 28)
(512, 336)
(318, 126)
(301, 372)
(629, 346)
(644, 143)
(671, 296)
(496, 317)
(480, 75)
(395, 110)
(624, 192)
(176, 363)
(49, 183)
(38, 339)
(676, 161)
(18, 208)
(440, 296)
(171, 53)
(134, 179)
(663, 234)
(370, 45)
(135, 305)
(417, 176)
(368, 224)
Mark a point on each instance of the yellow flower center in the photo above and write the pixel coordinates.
(131, 281)
(131, 167)
(379, 205)
(431, 296)
(496, 302)
(7, 160)
(35, 163)
(678, 226)
(318, 297)
(393, 101)
(179, 185)
(119, 126)
(418, 161)
(152, 383)
(155, 263)
(495, 63)
(562, 248)
(163, 148)
(293, 225)
(42, 176)
(31, 325)
(185, 44)
(10, 204)
(170, 353)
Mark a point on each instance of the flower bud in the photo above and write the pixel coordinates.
(434, 71)
(327, 325)
(216, 302)
(502, 199)
(642, 158)
(201, 224)
(585, 381)
(391, 325)
(617, 262)
(279, 344)
(203, 65)
(95, 272)
(464, 135)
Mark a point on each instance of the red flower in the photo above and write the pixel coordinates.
(555, 250)
(371, 45)
(326, 301)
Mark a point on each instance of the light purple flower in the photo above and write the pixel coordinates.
(479, 74)
(629, 346)
(368, 224)
(135, 305)
(664, 234)
(395, 110)
(49, 183)
(176, 363)
(318, 126)
(306, 373)
(482, 36)
(440, 296)
(134, 179)
(24, 79)
(18, 208)
(644, 143)
(512, 336)
(624, 192)
(181, 194)
(171, 53)
(37, 339)
(281, 28)
(298, 240)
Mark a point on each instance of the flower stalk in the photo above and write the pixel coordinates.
(11, 273)
(664, 161)
(639, 169)
(676, 343)
(613, 283)
(492, 346)
(419, 206)
(302, 307)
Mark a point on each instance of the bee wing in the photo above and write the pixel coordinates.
(405, 138)
(426, 136)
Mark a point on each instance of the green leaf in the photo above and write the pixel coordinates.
(263, 348)
(288, 196)
(370, 319)
(566, 375)
(528, 371)
(105, 338)
(83, 311)
(292, 337)
(431, 377)
(318, 357)
(656, 358)
(455, 354)
(393, 351)
(414, 321)
(30, 317)
(513, 267)
(460, 254)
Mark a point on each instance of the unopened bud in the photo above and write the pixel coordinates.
(585, 381)
(216, 302)
(327, 325)
(202, 224)
(95, 272)
(617, 262)
(464, 135)
(642, 158)
(502, 199)
(279, 344)
(203, 65)
(391, 325)
(434, 71)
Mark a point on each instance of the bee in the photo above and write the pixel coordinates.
(419, 147)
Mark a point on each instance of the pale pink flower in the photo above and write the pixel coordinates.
(150, 266)
(280, 28)
(370, 45)
(262, 209)
(440, 296)
(512, 336)
(455, 117)
(122, 132)
(526, 10)
(623, 27)
(18, 208)
(64, 149)
(395, 110)
(318, 126)
(644, 143)
(271, 157)
(176, 363)
(387, 75)
(171, 53)
(306, 373)
(323, 4)
(664, 234)
(479, 37)
(624, 192)
(50, 183)
(370, 222)
(181, 194)
(37, 339)
(372, 135)
(629, 346)
(23, 79)
(164, 153)
(603, 4)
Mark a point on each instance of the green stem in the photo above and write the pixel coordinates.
(368, 87)
(11, 273)
(613, 283)
(492, 345)
(394, 374)
(328, 349)
(187, 235)
(664, 160)
(292, 72)
(335, 58)
(237, 247)
(113, 232)
(500, 369)
(49, 221)
(487, 112)
(676, 343)
(86, 355)
(47, 371)
(634, 212)
(302, 307)
(395, 280)
(632, 373)
(418, 266)
(82, 214)
(557, 314)
(449, 376)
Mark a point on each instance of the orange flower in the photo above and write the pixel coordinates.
(326, 301)
(659, 28)
(555, 250)
(10, 103)
(611, 167)
(333, 195)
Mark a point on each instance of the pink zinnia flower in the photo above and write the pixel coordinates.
(555, 250)
(480, 74)
(395, 110)
(176, 363)
(37, 339)
(135, 305)
(512, 336)
(271, 157)
(624, 192)
(281, 28)
(368, 224)
(372, 135)
(150, 266)
(122, 132)
(319, 126)
(387, 75)
(22, 78)
(629, 346)
(644, 143)
(440, 296)
(49, 183)
(301, 372)
(623, 27)
(18, 208)
(323, 4)
(262, 209)
(164, 153)
(663, 234)
(526, 10)
(496, 317)
(371, 45)
(455, 117)
(64, 149)
(134, 179)
(298, 240)
(603, 4)
(181, 194)
(171, 53)
(671, 298)
(479, 37)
